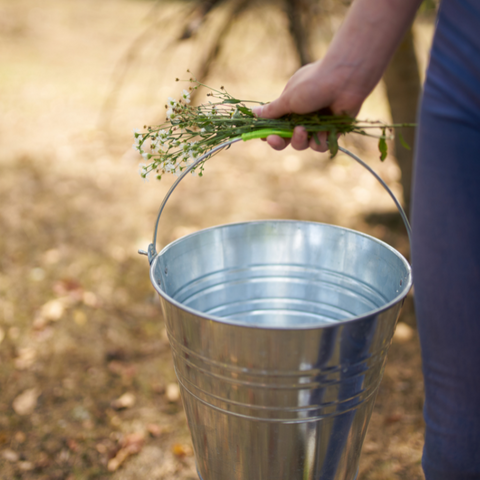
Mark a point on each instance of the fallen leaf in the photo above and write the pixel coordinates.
(134, 441)
(26, 466)
(69, 287)
(42, 461)
(25, 403)
(122, 369)
(393, 418)
(131, 445)
(90, 299)
(10, 455)
(116, 421)
(51, 256)
(370, 447)
(53, 310)
(154, 430)
(20, 437)
(181, 451)
(158, 388)
(72, 445)
(127, 400)
(26, 358)
(101, 448)
(403, 333)
(116, 461)
(172, 392)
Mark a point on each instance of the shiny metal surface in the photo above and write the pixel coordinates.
(279, 332)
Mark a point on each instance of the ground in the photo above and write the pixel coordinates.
(87, 387)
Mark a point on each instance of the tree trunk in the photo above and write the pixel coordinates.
(402, 80)
(298, 18)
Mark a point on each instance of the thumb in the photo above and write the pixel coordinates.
(274, 109)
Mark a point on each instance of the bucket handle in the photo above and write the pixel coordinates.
(152, 252)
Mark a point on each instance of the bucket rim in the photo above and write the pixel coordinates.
(397, 299)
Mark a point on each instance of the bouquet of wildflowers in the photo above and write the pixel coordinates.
(191, 132)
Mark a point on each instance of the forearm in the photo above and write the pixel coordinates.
(353, 65)
(367, 40)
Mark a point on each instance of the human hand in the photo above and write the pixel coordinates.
(319, 86)
(352, 66)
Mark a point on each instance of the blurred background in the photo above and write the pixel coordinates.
(87, 387)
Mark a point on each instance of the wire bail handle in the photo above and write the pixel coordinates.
(151, 252)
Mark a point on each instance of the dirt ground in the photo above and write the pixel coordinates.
(87, 387)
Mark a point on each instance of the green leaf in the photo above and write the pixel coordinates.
(333, 143)
(246, 111)
(315, 137)
(402, 141)
(231, 101)
(382, 146)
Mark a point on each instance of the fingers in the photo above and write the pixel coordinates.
(300, 139)
(278, 143)
(274, 109)
(322, 145)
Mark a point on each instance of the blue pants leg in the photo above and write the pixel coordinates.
(446, 273)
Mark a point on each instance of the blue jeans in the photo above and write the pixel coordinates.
(446, 244)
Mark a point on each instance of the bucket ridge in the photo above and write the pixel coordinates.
(186, 353)
(281, 420)
(296, 389)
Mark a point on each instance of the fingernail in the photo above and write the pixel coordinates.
(257, 111)
(300, 130)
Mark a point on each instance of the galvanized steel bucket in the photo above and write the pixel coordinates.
(279, 332)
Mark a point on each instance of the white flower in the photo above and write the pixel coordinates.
(202, 130)
(146, 155)
(172, 103)
(186, 96)
(157, 145)
(142, 169)
(162, 135)
(170, 114)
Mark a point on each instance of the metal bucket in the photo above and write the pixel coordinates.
(279, 332)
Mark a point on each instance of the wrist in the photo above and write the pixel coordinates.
(364, 44)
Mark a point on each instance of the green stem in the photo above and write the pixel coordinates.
(265, 132)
